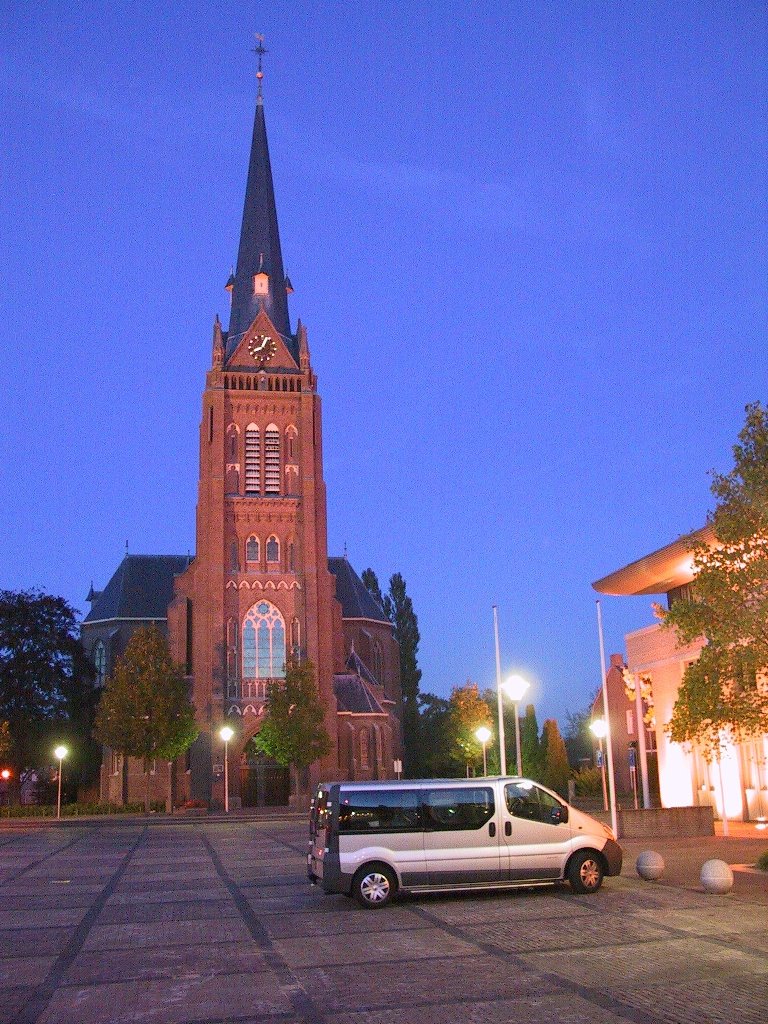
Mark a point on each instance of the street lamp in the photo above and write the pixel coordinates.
(59, 753)
(515, 688)
(226, 734)
(600, 729)
(483, 734)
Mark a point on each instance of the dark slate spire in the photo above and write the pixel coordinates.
(259, 251)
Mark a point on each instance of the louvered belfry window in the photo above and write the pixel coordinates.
(271, 460)
(252, 461)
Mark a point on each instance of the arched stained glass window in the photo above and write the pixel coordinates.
(263, 643)
(100, 662)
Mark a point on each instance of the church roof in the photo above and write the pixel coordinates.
(141, 588)
(356, 664)
(354, 697)
(259, 249)
(356, 601)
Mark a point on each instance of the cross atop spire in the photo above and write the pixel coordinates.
(259, 50)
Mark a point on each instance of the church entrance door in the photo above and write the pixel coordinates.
(263, 782)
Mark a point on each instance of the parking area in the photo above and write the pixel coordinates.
(204, 921)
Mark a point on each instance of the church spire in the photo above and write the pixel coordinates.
(259, 280)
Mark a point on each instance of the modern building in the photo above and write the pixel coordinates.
(654, 654)
(261, 589)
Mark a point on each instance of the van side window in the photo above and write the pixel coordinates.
(458, 809)
(524, 800)
(397, 810)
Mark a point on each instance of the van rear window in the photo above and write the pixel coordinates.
(380, 811)
(457, 810)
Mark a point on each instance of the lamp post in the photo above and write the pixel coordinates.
(500, 703)
(483, 734)
(226, 734)
(59, 753)
(599, 728)
(515, 688)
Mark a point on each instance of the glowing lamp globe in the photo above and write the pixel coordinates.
(226, 733)
(483, 734)
(515, 688)
(60, 753)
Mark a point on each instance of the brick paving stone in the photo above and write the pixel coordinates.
(405, 984)
(348, 920)
(150, 913)
(719, 999)
(157, 962)
(670, 961)
(167, 1002)
(543, 1009)
(24, 970)
(12, 1000)
(462, 908)
(165, 933)
(193, 894)
(416, 944)
(54, 917)
(41, 941)
(589, 933)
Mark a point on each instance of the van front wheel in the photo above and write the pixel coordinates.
(585, 872)
(374, 886)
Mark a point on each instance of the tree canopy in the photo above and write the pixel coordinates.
(293, 730)
(530, 747)
(145, 710)
(724, 694)
(555, 768)
(468, 711)
(46, 680)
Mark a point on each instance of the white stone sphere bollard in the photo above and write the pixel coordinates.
(650, 865)
(716, 877)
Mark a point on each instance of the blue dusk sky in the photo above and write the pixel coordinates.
(529, 244)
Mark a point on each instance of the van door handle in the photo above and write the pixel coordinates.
(507, 828)
(492, 829)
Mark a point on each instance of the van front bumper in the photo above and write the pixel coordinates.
(614, 855)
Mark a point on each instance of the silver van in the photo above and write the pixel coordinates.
(371, 840)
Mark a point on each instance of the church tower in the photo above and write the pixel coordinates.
(259, 591)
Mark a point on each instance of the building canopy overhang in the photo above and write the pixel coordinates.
(657, 573)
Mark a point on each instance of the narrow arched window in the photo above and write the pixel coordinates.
(364, 748)
(272, 460)
(263, 642)
(291, 446)
(273, 550)
(100, 662)
(252, 550)
(295, 637)
(291, 557)
(252, 460)
(378, 662)
(234, 557)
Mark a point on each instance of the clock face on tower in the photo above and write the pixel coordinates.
(262, 348)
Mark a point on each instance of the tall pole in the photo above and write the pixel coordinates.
(58, 799)
(502, 750)
(602, 772)
(608, 741)
(485, 760)
(226, 776)
(517, 740)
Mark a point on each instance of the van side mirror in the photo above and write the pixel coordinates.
(559, 815)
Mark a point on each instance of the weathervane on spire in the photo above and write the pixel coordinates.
(259, 51)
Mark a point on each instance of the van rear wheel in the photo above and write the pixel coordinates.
(585, 872)
(374, 886)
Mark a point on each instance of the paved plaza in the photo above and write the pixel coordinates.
(213, 921)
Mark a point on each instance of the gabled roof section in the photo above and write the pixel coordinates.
(657, 573)
(356, 602)
(261, 330)
(356, 664)
(259, 250)
(354, 697)
(141, 588)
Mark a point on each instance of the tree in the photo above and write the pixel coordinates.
(555, 768)
(293, 730)
(724, 694)
(529, 744)
(46, 680)
(437, 758)
(468, 712)
(145, 711)
(398, 608)
(578, 738)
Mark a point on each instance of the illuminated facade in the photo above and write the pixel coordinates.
(685, 778)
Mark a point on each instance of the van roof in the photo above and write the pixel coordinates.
(418, 783)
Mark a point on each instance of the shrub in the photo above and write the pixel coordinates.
(589, 782)
(74, 810)
(762, 861)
